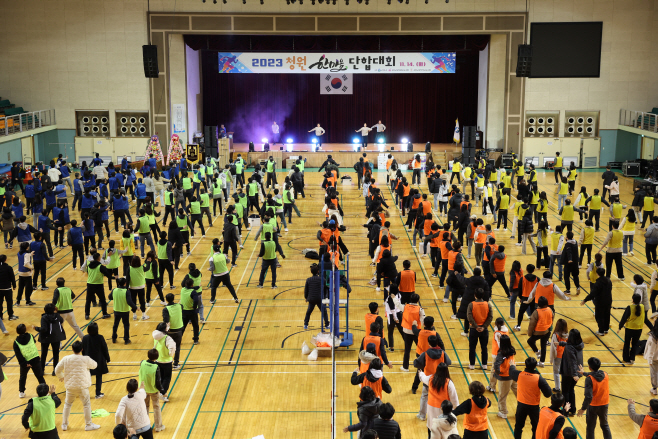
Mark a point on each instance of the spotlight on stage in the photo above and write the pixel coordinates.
(315, 140)
(264, 140)
(404, 140)
(356, 140)
(380, 140)
(289, 140)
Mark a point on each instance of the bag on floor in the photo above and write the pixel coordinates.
(313, 356)
(310, 253)
(305, 349)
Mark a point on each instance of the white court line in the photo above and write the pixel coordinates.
(187, 406)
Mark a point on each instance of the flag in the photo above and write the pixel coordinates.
(455, 137)
(336, 84)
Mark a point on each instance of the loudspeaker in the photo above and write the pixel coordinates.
(410, 147)
(150, 54)
(524, 61)
(251, 147)
(428, 147)
(468, 141)
(266, 147)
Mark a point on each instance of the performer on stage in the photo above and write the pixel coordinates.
(319, 131)
(364, 130)
(380, 131)
(275, 133)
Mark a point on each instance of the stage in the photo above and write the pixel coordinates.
(343, 153)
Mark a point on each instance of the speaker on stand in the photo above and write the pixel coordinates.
(210, 141)
(468, 146)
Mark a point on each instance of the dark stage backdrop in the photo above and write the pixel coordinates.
(421, 107)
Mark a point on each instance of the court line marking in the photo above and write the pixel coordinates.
(187, 406)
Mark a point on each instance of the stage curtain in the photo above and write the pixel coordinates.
(421, 107)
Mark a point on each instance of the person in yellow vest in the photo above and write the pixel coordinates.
(648, 423)
(562, 192)
(594, 205)
(627, 227)
(614, 243)
(633, 321)
(532, 178)
(566, 213)
(557, 240)
(648, 208)
(571, 178)
(502, 204)
(204, 199)
(552, 419)
(166, 347)
(63, 300)
(530, 387)
(456, 171)
(412, 313)
(476, 423)
(479, 314)
(616, 213)
(597, 398)
(468, 175)
(136, 284)
(149, 377)
(557, 168)
(39, 414)
(143, 228)
(218, 266)
(586, 241)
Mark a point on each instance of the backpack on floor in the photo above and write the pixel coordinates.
(310, 253)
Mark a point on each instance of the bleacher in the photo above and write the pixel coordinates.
(13, 117)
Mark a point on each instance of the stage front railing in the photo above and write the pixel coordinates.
(639, 119)
(19, 123)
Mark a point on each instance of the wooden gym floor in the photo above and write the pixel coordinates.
(248, 377)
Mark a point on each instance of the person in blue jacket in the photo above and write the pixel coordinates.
(60, 189)
(45, 225)
(66, 175)
(140, 191)
(37, 207)
(17, 208)
(97, 161)
(75, 239)
(51, 198)
(102, 189)
(23, 231)
(119, 204)
(130, 182)
(124, 163)
(39, 259)
(88, 200)
(88, 232)
(29, 194)
(77, 191)
(112, 182)
(61, 220)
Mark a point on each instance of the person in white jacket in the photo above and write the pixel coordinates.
(166, 347)
(73, 370)
(444, 425)
(651, 355)
(132, 411)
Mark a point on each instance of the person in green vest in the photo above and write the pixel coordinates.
(227, 178)
(253, 189)
(152, 277)
(27, 355)
(220, 274)
(188, 187)
(239, 171)
(136, 283)
(217, 195)
(165, 255)
(268, 254)
(184, 225)
(169, 202)
(166, 347)
(196, 216)
(189, 299)
(113, 258)
(127, 243)
(566, 213)
(149, 376)
(289, 203)
(204, 199)
(95, 285)
(63, 301)
(152, 215)
(172, 314)
(122, 303)
(143, 227)
(195, 274)
(39, 414)
(614, 242)
(270, 167)
(649, 203)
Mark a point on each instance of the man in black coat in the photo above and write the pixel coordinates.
(313, 296)
(328, 162)
(569, 259)
(7, 286)
(601, 295)
(453, 209)
(386, 269)
(473, 283)
(608, 176)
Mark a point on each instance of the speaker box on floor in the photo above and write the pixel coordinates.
(468, 140)
(150, 55)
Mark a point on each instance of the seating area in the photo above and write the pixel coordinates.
(15, 119)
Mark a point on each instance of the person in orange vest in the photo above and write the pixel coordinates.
(546, 288)
(373, 315)
(366, 356)
(476, 424)
(528, 283)
(416, 164)
(479, 314)
(427, 364)
(539, 328)
(552, 418)
(499, 330)
(406, 282)
(440, 389)
(445, 245)
(323, 236)
(412, 313)
(479, 238)
(422, 343)
(597, 398)
(373, 378)
(648, 423)
(433, 237)
(504, 369)
(455, 259)
(389, 162)
(379, 342)
(497, 269)
(404, 190)
(530, 387)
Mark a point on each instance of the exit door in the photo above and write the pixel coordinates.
(648, 147)
(27, 149)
